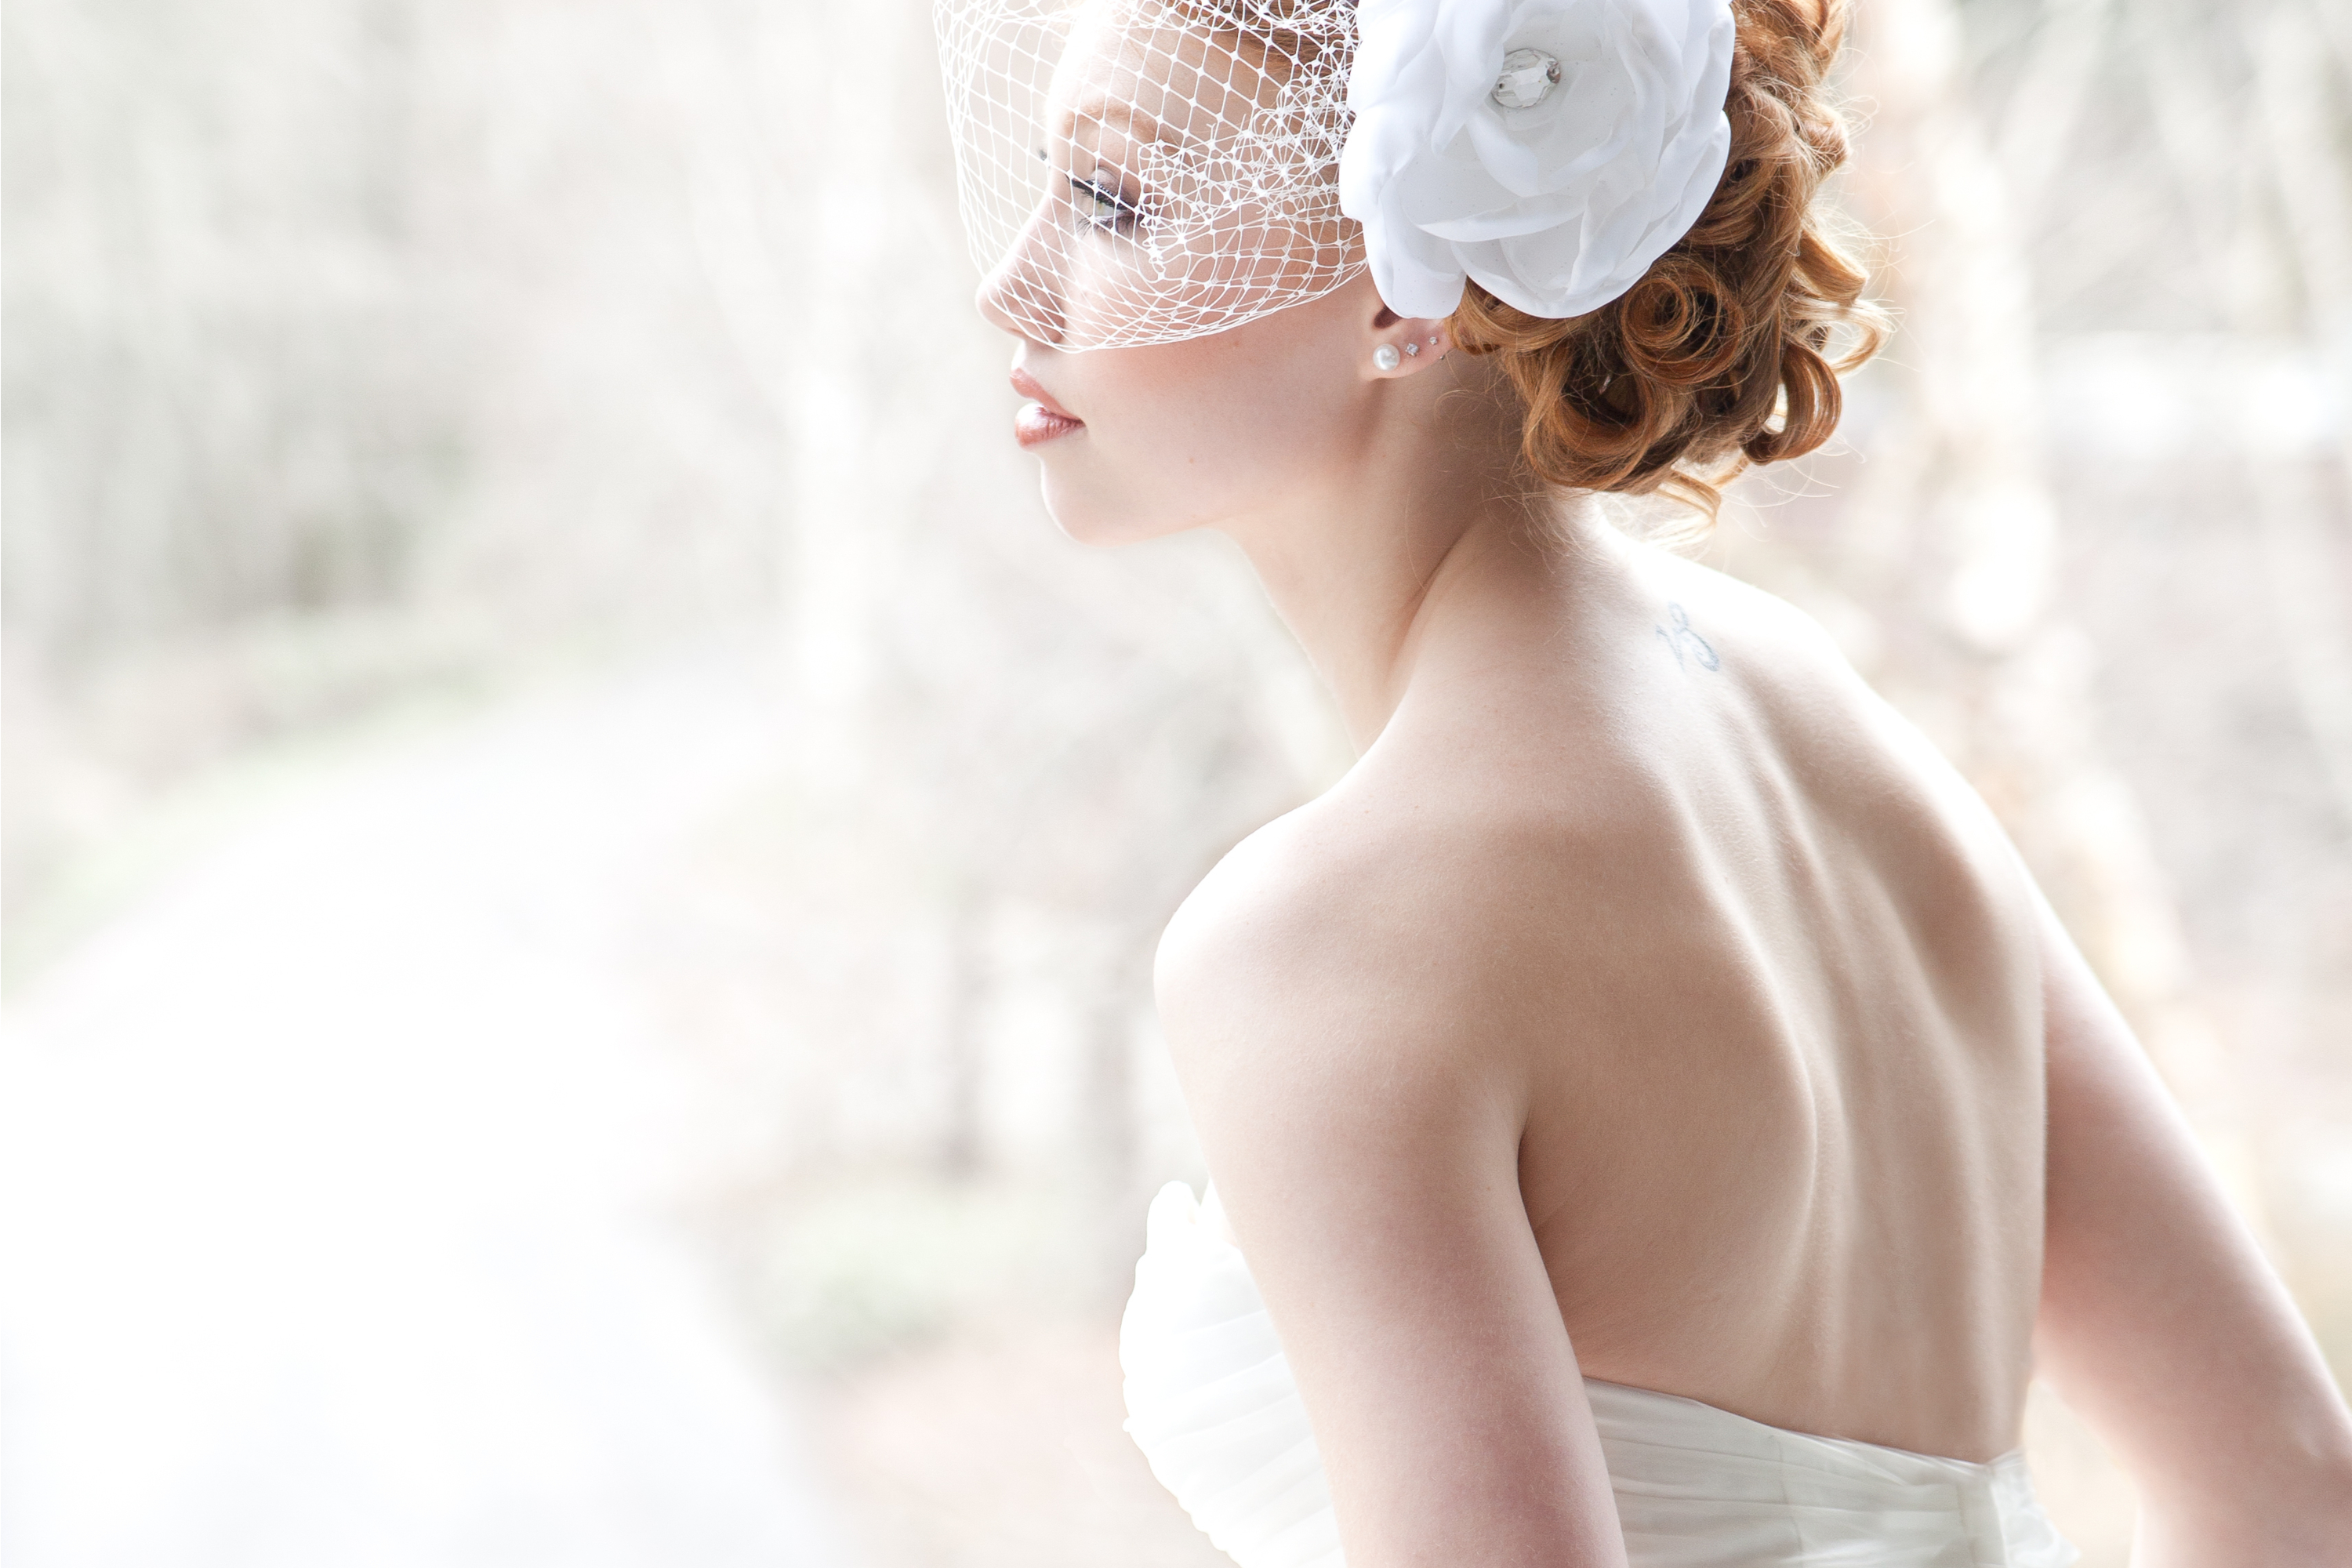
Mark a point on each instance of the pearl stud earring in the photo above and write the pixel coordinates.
(1386, 357)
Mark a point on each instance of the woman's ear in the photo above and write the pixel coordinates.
(1401, 345)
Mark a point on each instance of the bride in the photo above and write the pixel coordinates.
(1664, 1120)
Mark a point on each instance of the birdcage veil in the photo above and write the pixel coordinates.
(1137, 172)
(1144, 171)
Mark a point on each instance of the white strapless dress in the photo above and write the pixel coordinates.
(1211, 1401)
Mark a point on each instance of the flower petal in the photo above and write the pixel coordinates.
(1557, 207)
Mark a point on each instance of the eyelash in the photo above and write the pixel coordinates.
(1111, 210)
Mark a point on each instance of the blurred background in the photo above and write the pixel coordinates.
(582, 861)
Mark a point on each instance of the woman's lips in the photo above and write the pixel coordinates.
(1036, 423)
(1041, 418)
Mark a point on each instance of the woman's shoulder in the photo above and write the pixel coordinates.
(1774, 642)
(1806, 706)
(1328, 879)
(1394, 919)
(1520, 850)
(1484, 824)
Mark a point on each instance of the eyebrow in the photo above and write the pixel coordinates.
(1120, 112)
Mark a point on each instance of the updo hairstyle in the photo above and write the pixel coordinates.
(1720, 356)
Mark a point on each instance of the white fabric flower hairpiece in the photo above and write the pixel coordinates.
(1551, 150)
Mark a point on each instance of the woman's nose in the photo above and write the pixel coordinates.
(1024, 295)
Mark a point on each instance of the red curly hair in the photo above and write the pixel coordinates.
(1721, 355)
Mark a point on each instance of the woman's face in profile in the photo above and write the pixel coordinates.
(1141, 233)
(1170, 437)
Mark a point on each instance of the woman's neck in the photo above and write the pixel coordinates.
(1374, 580)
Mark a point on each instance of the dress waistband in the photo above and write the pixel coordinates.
(1210, 1403)
(1699, 1485)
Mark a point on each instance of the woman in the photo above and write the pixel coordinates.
(1664, 1120)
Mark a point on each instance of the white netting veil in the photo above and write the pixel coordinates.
(1137, 172)
(1141, 171)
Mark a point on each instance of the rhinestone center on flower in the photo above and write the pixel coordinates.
(1526, 76)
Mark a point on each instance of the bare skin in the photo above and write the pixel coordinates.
(1758, 975)
(1695, 1000)
(1650, 1003)
(1644, 1006)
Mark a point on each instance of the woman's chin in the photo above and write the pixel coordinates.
(1097, 532)
(1086, 520)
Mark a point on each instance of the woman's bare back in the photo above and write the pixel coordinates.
(1767, 969)
(1798, 1173)
(1648, 979)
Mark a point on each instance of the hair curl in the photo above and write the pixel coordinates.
(1720, 356)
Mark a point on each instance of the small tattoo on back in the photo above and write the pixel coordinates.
(1686, 644)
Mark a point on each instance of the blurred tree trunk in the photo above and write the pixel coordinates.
(2313, 176)
(962, 1136)
(1108, 1125)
